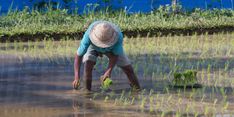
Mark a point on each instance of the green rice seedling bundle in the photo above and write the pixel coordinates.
(186, 78)
(106, 83)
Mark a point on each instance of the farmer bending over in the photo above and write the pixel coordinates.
(102, 38)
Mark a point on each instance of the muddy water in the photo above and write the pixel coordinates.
(32, 89)
(39, 87)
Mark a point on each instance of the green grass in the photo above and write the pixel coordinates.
(60, 22)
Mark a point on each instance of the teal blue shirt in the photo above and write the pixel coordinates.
(116, 49)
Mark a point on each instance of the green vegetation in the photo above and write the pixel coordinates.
(189, 77)
(153, 60)
(107, 83)
(162, 20)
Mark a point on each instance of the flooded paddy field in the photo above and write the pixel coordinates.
(36, 78)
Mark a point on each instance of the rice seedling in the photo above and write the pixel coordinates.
(154, 59)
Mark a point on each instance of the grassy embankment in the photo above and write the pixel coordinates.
(25, 25)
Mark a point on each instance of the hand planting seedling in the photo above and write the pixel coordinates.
(186, 78)
(106, 83)
(76, 86)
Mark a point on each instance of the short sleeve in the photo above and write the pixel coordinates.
(84, 44)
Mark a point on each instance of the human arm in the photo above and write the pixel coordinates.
(112, 62)
(116, 51)
(84, 44)
(77, 64)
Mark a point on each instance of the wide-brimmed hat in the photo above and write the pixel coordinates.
(103, 34)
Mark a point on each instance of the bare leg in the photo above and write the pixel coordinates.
(128, 70)
(88, 68)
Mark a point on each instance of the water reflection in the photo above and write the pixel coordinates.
(29, 89)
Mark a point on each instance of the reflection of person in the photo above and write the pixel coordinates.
(102, 37)
(81, 107)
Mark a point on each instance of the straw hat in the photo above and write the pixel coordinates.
(104, 34)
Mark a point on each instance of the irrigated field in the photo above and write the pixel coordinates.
(36, 77)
